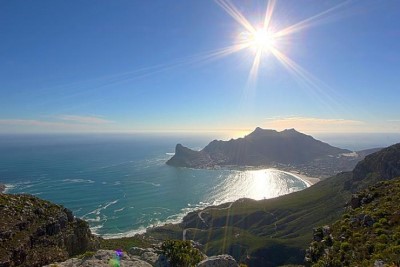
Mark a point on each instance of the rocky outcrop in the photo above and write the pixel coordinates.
(102, 258)
(186, 157)
(35, 232)
(150, 255)
(383, 164)
(261, 147)
(2, 188)
(219, 261)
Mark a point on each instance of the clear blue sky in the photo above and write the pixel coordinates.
(125, 66)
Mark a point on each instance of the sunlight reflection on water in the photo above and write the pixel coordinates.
(255, 184)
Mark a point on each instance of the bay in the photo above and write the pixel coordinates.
(120, 184)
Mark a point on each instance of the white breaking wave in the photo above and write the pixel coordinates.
(98, 210)
(119, 210)
(95, 228)
(88, 181)
(149, 183)
(8, 187)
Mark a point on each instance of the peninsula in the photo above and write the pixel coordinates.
(288, 150)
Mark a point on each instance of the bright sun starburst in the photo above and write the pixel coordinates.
(264, 40)
(261, 40)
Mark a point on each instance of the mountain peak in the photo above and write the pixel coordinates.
(262, 147)
(260, 131)
(292, 130)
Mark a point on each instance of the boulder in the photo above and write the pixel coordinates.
(355, 201)
(150, 256)
(102, 258)
(219, 261)
(368, 221)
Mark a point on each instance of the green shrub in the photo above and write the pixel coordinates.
(181, 253)
(383, 238)
(379, 247)
(380, 231)
(383, 221)
(377, 225)
(345, 246)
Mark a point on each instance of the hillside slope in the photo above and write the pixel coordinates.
(368, 233)
(277, 231)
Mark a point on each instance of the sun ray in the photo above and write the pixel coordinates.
(308, 22)
(234, 13)
(319, 90)
(268, 13)
(77, 89)
(255, 67)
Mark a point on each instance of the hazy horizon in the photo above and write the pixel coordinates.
(197, 140)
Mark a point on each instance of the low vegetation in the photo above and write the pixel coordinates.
(368, 233)
(124, 243)
(181, 253)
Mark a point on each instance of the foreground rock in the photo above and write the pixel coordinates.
(137, 257)
(150, 255)
(35, 232)
(219, 261)
(102, 258)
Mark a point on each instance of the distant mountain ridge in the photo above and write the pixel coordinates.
(261, 147)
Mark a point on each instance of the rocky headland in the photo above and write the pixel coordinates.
(287, 150)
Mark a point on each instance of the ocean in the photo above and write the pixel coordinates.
(120, 184)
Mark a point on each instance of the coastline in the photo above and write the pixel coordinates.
(2, 188)
(308, 180)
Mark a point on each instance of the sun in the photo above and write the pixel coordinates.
(261, 40)
(269, 38)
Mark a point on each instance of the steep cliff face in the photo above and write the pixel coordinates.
(35, 232)
(189, 158)
(382, 165)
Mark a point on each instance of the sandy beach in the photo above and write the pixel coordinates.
(311, 180)
(308, 180)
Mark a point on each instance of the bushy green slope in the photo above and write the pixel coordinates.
(368, 232)
(277, 231)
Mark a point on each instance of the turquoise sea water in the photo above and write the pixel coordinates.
(120, 184)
